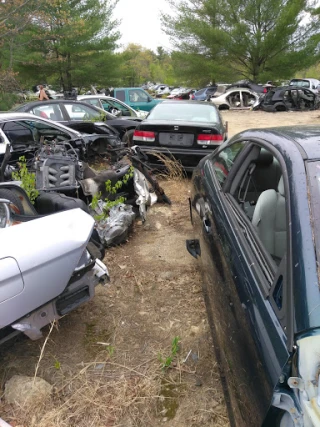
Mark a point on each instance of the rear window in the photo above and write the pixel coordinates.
(185, 112)
(300, 83)
(120, 94)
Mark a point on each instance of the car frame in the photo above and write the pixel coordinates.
(75, 114)
(235, 98)
(257, 234)
(22, 131)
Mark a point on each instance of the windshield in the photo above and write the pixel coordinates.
(185, 112)
(300, 83)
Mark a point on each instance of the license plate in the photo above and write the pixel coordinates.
(178, 139)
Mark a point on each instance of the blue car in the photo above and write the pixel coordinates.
(256, 215)
(205, 93)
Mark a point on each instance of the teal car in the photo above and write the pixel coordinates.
(135, 97)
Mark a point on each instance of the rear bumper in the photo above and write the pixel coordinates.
(189, 158)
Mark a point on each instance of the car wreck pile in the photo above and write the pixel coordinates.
(246, 95)
(52, 249)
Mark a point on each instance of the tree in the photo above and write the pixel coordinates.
(69, 39)
(252, 38)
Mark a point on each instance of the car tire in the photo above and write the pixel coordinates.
(128, 137)
(280, 107)
(16, 204)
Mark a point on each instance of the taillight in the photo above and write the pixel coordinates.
(209, 139)
(265, 90)
(142, 135)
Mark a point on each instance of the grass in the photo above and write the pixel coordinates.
(173, 168)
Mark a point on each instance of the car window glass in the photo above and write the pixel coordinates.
(18, 132)
(94, 102)
(29, 131)
(261, 196)
(48, 111)
(81, 112)
(121, 95)
(223, 161)
(192, 112)
(136, 95)
(119, 106)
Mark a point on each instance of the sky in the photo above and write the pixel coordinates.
(140, 23)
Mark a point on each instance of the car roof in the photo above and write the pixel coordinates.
(305, 137)
(186, 101)
(17, 115)
(54, 101)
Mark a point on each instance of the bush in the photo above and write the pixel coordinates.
(8, 100)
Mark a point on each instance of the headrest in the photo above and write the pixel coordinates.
(265, 158)
(281, 186)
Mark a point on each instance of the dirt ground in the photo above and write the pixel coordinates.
(106, 360)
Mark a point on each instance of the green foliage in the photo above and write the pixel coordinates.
(258, 39)
(7, 101)
(111, 190)
(68, 42)
(167, 361)
(27, 178)
(57, 364)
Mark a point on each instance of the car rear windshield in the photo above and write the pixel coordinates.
(301, 83)
(185, 112)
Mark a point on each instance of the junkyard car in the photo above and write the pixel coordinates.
(49, 264)
(204, 94)
(235, 98)
(23, 132)
(112, 105)
(255, 209)
(76, 114)
(187, 130)
(286, 98)
(312, 84)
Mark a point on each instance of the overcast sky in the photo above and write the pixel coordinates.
(140, 23)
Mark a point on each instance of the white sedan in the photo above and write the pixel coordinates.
(112, 105)
(237, 98)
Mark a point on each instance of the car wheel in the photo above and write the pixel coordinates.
(224, 107)
(280, 107)
(128, 137)
(16, 204)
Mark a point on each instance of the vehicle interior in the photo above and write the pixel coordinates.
(261, 196)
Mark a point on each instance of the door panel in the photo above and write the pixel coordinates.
(232, 303)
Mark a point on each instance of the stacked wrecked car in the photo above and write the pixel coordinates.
(54, 237)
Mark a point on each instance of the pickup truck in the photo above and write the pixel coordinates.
(135, 97)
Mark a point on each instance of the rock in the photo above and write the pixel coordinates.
(21, 390)
(195, 330)
(198, 382)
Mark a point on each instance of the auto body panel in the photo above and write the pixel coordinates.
(283, 360)
(48, 251)
(230, 312)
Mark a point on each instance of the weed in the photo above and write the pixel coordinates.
(166, 361)
(27, 178)
(111, 189)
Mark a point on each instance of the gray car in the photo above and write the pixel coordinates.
(49, 265)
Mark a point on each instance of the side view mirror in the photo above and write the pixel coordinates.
(149, 99)
(5, 215)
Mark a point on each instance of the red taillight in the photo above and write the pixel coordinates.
(265, 90)
(142, 135)
(208, 139)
